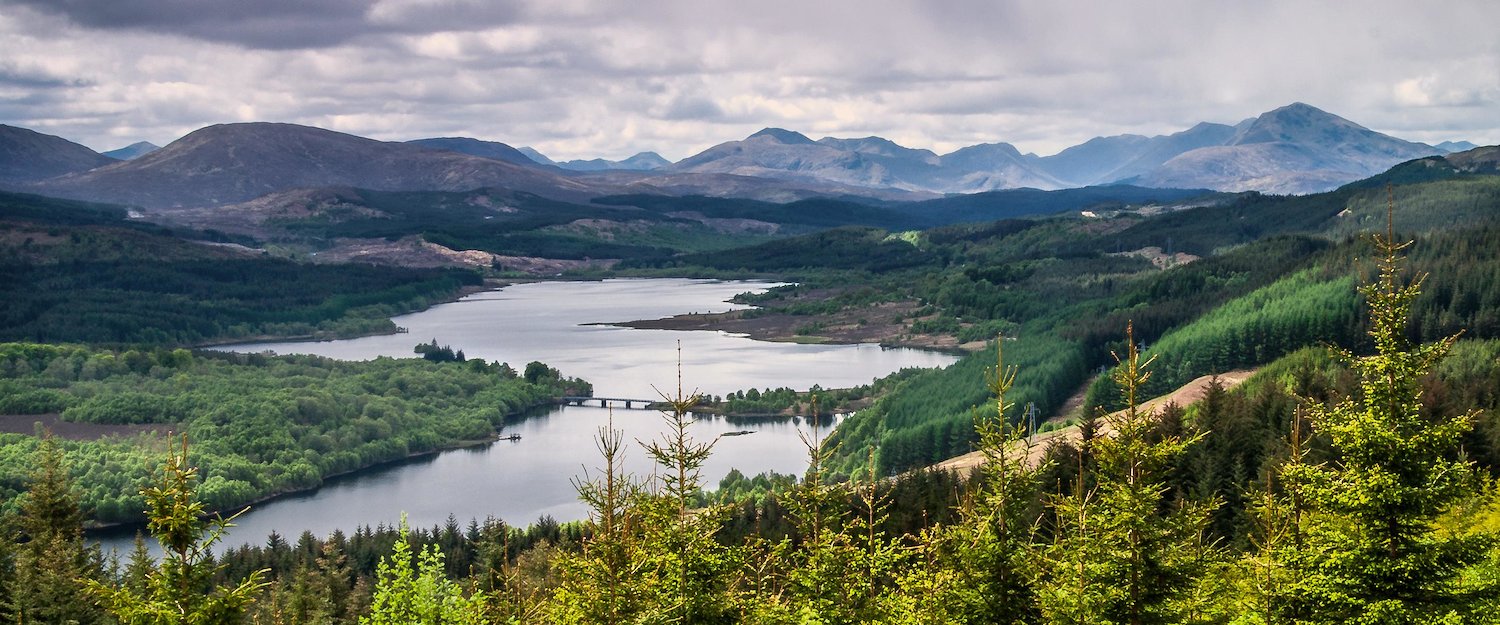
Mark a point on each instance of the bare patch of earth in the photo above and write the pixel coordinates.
(730, 225)
(1160, 258)
(1035, 448)
(414, 252)
(886, 323)
(73, 431)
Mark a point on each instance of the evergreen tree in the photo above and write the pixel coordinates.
(1370, 552)
(690, 571)
(600, 583)
(180, 591)
(52, 563)
(1122, 554)
(992, 549)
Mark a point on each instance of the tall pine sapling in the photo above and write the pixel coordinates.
(181, 590)
(1370, 552)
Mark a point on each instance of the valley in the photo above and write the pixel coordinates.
(261, 289)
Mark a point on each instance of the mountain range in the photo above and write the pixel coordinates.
(1290, 150)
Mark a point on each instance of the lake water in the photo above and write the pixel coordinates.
(524, 480)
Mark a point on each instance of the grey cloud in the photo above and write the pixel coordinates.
(271, 24)
(10, 76)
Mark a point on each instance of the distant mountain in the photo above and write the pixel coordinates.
(139, 148)
(1104, 160)
(785, 154)
(641, 161)
(476, 147)
(1485, 160)
(536, 156)
(992, 167)
(1293, 149)
(28, 156)
(230, 163)
(1455, 146)
(644, 161)
(869, 162)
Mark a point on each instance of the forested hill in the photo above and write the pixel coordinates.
(261, 425)
(1209, 288)
(74, 271)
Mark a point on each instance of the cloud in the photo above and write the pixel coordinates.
(587, 78)
(275, 24)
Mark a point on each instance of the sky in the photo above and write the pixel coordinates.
(584, 79)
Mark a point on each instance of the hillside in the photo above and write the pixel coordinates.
(28, 156)
(236, 162)
(1293, 149)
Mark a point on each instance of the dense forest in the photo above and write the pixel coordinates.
(261, 424)
(1332, 488)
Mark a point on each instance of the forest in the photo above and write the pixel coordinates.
(1331, 488)
(261, 425)
(1351, 478)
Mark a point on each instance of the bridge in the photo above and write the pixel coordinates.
(604, 402)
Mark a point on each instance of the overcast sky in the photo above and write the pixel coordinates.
(579, 79)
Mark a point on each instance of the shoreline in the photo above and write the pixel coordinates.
(495, 437)
(784, 328)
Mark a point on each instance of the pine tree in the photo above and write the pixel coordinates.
(1121, 554)
(1369, 552)
(690, 571)
(180, 591)
(602, 583)
(992, 549)
(52, 563)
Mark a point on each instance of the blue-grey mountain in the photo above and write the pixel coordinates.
(134, 150)
(230, 163)
(28, 156)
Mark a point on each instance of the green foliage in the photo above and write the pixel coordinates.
(1256, 328)
(180, 591)
(192, 301)
(1369, 552)
(1119, 554)
(993, 548)
(420, 594)
(845, 248)
(264, 425)
(52, 565)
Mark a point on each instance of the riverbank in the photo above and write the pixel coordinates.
(889, 324)
(117, 528)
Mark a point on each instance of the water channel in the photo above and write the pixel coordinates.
(556, 322)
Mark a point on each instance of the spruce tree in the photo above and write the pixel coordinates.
(181, 590)
(689, 570)
(1122, 554)
(992, 549)
(601, 582)
(51, 563)
(1369, 550)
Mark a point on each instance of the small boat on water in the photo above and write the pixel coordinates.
(512, 437)
(738, 433)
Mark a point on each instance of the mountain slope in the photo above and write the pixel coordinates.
(1293, 149)
(235, 162)
(28, 156)
(476, 147)
(642, 161)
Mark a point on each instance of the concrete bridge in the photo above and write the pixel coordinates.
(642, 404)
